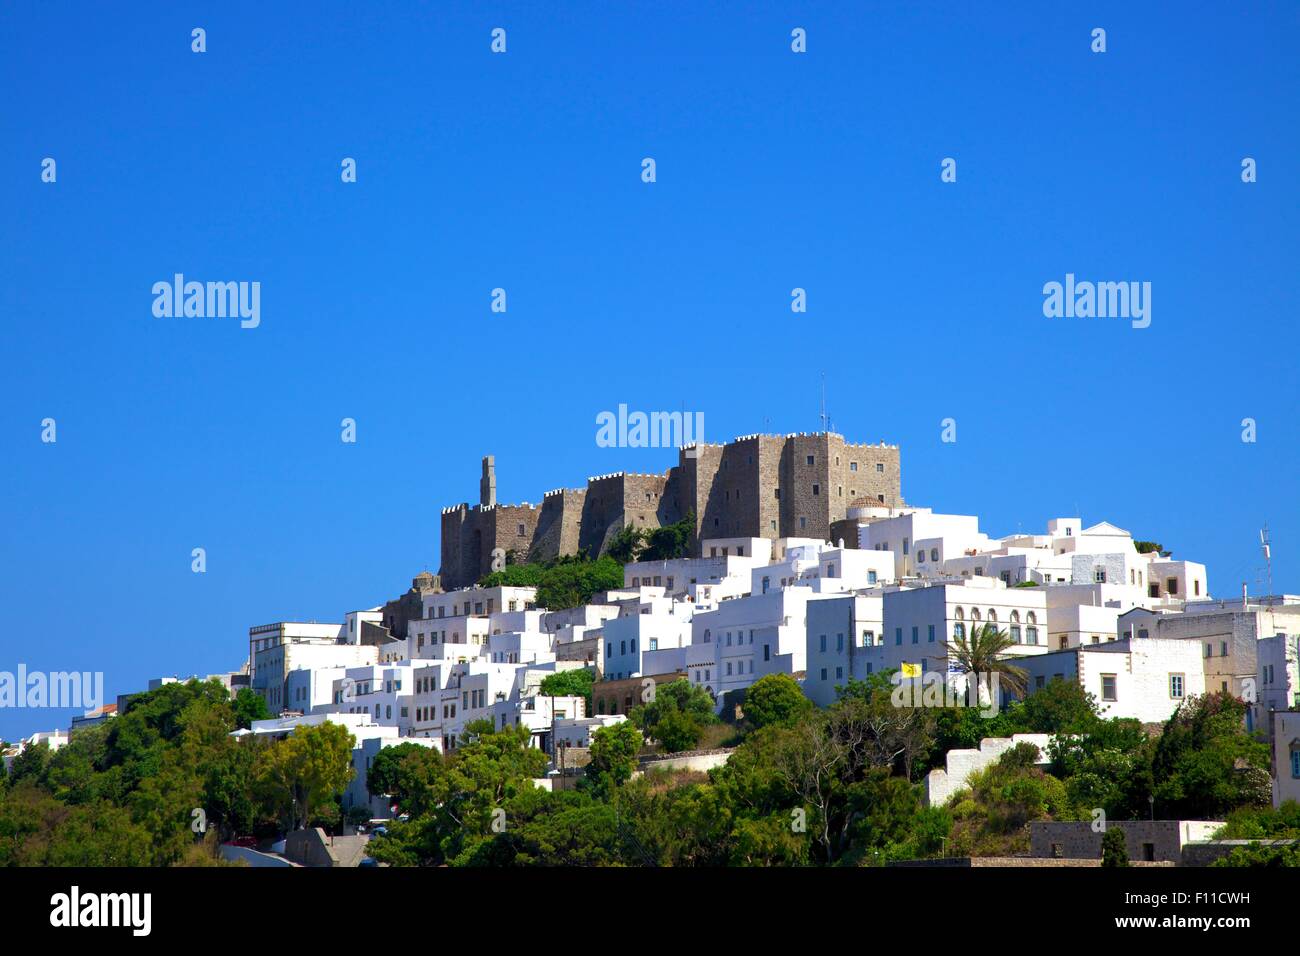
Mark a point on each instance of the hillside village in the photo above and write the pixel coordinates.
(875, 592)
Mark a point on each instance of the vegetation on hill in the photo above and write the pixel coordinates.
(840, 785)
(162, 783)
(561, 583)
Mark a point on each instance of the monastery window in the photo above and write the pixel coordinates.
(817, 490)
(810, 459)
(959, 630)
(880, 468)
(803, 523)
(1176, 686)
(853, 466)
(1171, 585)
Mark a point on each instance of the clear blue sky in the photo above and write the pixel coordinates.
(775, 170)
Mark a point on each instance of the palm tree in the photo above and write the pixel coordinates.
(982, 653)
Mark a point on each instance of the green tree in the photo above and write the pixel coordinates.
(249, 706)
(415, 777)
(1059, 707)
(982, 651)
(31, 764)
(573, 683)
(614, 751)
(627, 544)
(299, 776)
(1262, 856)
(677, 731)
(671, 541)
(775, 699)
(1114, 849)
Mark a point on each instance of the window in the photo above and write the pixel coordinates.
(1176, 686)
(823, 673)
(767, 652)
(817, 489)
(1295, 764)
(898, 635)
(810, 459)
(871, 577)
(1099, 575)
(839, 642)
(934, 554)
(1223, 649)
(930, 635)
(881, 469)
(959, 630)
(1171, 585)
(823, 644)
(853, 466)
(1209, 651)
(1108, 687)
(916, 635)
(654, 643)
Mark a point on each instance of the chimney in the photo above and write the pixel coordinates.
(487, 485)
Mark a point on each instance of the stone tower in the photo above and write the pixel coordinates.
(487, 485)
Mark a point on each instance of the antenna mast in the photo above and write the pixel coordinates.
(1267, 549)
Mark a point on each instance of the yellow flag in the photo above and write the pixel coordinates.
(911, 670)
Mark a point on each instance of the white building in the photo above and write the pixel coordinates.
(908, 533)
(1286, 756)
(1146, 680)
(1226, 632)
(1277, 685)
(746, 638)
(919, 621)
(278, 649)
(838, 631)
